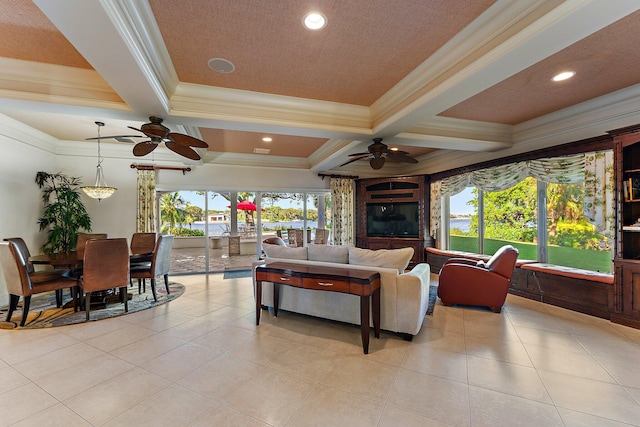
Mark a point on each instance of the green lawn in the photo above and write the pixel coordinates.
(560, 255)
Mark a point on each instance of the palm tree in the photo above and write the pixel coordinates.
(171, 209)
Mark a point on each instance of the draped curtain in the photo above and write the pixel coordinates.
(343, 204)
(595, 169)
(146, 221)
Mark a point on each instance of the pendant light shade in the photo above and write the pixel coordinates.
(100, 190)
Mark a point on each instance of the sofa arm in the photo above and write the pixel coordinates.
(413, 298)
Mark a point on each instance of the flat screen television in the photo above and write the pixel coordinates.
(393, 219)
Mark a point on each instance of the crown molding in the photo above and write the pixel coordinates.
(35, 81)
(18, 131)
(193, 100)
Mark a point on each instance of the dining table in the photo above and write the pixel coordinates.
(71, 259)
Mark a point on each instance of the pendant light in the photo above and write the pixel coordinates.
(100, 190)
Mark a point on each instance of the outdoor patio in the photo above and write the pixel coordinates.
(192, 260)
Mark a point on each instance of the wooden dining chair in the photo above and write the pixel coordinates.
(84, 237)
(22, 284)
(141, 247)
(159, 265)
(105, 266)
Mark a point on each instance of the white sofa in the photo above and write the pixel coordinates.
(403, 298)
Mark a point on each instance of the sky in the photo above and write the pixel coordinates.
(458, 202)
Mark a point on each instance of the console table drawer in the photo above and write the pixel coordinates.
(326, 285)
(284, 279)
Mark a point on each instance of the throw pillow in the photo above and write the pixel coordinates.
(329, 253)
(277, 251)
(386, 258)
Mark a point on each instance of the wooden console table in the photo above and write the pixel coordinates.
(363, 283)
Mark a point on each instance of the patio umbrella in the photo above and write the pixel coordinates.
(246, 205)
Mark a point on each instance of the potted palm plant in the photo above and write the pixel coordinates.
(64, 214)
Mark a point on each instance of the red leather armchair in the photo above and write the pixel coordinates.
(470, 282)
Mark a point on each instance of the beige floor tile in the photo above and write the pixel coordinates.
(491, 408)
(517, 380)
(57, 360)
(165, 321)
(580, 419)
(624, 372)
(223, 416)
(69, 382)
(181, 361)
(270, 396)
(303, 361)
(172, 406)
(616, 347)
(194, 328)
(394, 417)
(19, 351)
(119, 338)
(579, 364)
(433, 397)
(23, 402)
(437, 362)
(443, 339)
(148, 348)
(10, 379)
(591, 397)
(365, 378)
(498, 349)
(389, 349)
(261, 348)
(221, 377)
(550, 339)
(54, 416)
(114, 396)
(634, 393)
(86, 331)
(330, 407)
(224, 338)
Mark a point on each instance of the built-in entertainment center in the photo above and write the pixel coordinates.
(392, 214)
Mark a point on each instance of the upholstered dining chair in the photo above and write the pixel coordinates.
(142, 246)
(41, 274)
(469, 282)
(159, 265)
(105, 266)
(22, 284)
(84, 237)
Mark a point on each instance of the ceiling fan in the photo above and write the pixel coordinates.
(378, 152)
(158, 133)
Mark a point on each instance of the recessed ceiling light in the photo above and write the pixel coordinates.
(267, 139)
(314, 21)
(393, 149)
(221, 65)
(563, 76)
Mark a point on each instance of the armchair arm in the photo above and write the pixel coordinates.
(466, 261)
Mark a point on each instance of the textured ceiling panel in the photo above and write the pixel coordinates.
(230, 141)
(603, 63)
(366, 48)
(27, 34)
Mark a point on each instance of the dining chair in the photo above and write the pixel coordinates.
(105, 266)
(159, 265)
(40, 275)
(22, 284)
(142, 246)
(84, 237)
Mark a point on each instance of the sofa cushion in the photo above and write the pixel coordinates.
(389, 258)
(328, 253)
(285, 252)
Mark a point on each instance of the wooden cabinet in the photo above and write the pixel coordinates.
(392, 213)
(626, 292)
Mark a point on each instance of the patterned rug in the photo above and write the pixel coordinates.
(43, 312)
(433, 296)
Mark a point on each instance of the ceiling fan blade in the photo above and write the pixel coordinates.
(376, 162)
(397, 156)
(360, 154)
(151, 133)
(182, 150)
(354, 159)
(143, 148)
(114, 137)
(187, 140)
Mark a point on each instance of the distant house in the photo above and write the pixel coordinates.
(218, 217)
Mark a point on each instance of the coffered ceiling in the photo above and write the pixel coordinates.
(451, 82)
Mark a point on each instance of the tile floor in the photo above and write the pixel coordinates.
(201, 361)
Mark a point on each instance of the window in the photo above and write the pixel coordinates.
(463, 221)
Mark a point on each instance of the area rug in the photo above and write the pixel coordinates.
(43, 312)
(433, 296)
(235, 274)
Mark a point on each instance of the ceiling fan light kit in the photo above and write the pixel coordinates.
(100, 190)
